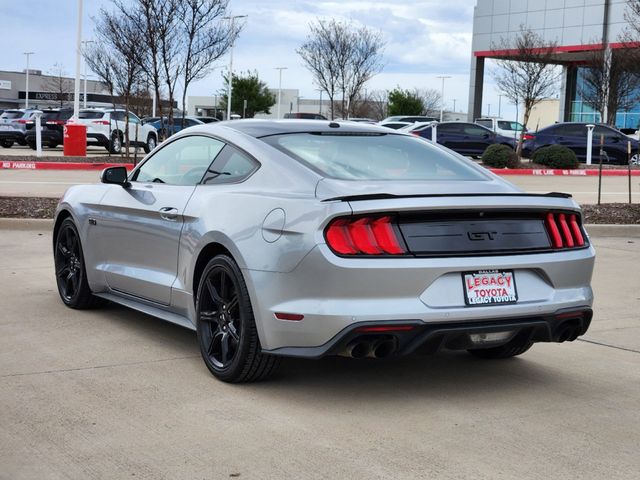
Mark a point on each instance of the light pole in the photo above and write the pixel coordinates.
(279, 89)
(26, 97)
(298, 102)
(488, 109)
(230, 79)
(454, 105)
(76, 90)
(500, 106)
(84, 97)
(443, 77)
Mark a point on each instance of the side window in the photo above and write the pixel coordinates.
(181, 162)
(117, 116)
(133, 118)
(607, 132)
(450, 129)
(230, 166)
(487, 123)
(476, 131)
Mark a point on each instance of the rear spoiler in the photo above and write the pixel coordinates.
(384, 196)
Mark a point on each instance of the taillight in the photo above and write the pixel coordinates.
(101, 122)
(55, 122)
(528, 136)
(22, 120)
(364, 236)
(564, 230)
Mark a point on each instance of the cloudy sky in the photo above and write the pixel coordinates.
(425, 38)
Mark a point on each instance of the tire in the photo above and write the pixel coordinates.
(22, 142)
(32, 146)
(635, 159)
(6, 143)
(71, 275)
(226, 327)
(151, 143)
(503, 351)
(115, 144)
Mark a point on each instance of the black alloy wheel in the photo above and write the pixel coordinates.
(226, 328)
(71, 276)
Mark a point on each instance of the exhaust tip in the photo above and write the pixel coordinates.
(359, 349)
(384, 349)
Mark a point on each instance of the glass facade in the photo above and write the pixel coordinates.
(581, 112)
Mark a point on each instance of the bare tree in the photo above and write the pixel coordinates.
(58, 84)
(341, 59)
(377, 100)
(529, 75)
(205, 38)
(611, 82)
(431, 101)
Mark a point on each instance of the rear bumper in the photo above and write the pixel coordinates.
(418, 337)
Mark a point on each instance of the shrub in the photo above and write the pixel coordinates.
(500, 156)
(556, 156)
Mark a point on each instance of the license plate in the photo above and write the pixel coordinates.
(489, 287)
(5, 127)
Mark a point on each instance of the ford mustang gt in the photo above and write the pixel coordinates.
(314, 238)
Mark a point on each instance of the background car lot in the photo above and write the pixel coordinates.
(114, 393)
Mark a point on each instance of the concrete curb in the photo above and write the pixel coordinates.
(594, 230)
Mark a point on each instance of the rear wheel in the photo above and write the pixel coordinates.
(115, 144)
(71, 275)
(226, 327)
(508, 350)
(635, 159)
(6, 143)
(32, 145)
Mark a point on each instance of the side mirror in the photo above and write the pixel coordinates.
(115, 175)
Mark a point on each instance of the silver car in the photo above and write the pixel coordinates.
(314, 238)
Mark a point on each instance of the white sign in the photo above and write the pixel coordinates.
(5, 84)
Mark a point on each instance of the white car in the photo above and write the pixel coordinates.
(107, 128)
(506, 128)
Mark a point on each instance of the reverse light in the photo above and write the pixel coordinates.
(364, 236)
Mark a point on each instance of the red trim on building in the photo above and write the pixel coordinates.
(510, 52)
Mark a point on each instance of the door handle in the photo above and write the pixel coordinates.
(169, 213)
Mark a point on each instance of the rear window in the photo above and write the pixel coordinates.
(12, 114)
(505, 125)
(373, 157)
(90, 115)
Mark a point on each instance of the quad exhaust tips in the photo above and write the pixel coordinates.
(369, 348)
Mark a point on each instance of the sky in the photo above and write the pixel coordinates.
(424, 39)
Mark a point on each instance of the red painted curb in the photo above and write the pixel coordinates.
(22, 165)
(591, 172)
(11, 165)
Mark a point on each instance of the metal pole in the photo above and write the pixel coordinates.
(320, 109)
(488, 109)
(600, 169)
(279, 89)
(153, 103)
(454, 105)
(84, 97)
(38, 134)
(230, 79)
(76, 90)
(590, 128)
(629, 167)
(500, 106)
(26, 97)
(434, 133)
(443, 77)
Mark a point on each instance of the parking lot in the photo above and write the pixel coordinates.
(113, 393)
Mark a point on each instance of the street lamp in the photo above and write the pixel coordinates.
(26, 97)
(279, 89)
(84, 97)
(320, 108)
(76, 89)
(443, 77)
(230, 79)
(500, 105)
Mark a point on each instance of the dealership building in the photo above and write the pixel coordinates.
(578, 27)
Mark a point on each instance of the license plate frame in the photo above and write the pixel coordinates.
(480, 293)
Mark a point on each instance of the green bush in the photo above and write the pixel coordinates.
(556, 156)
(500, 156)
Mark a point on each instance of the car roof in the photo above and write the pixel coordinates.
(265, 128)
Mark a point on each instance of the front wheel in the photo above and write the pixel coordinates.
(635, 159)
(115, 144)
(6, 143)
(71, 275)
(151, 143)
(226, 327)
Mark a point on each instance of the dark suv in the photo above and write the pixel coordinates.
(574, 137)
(52, 122)
(464, 138)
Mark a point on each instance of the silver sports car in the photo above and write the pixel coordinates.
(310, 238)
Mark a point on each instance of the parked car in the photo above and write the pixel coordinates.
(52, 127)
(394, 125)
(506, 128)
(305, 116)
(13, 125)
(574, 136)
(308, 239)
(106, 128)
(409, 118)
(462, 137)
(165, 130)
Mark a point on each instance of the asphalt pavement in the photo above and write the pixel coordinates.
(112, 393)
(53, 183)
